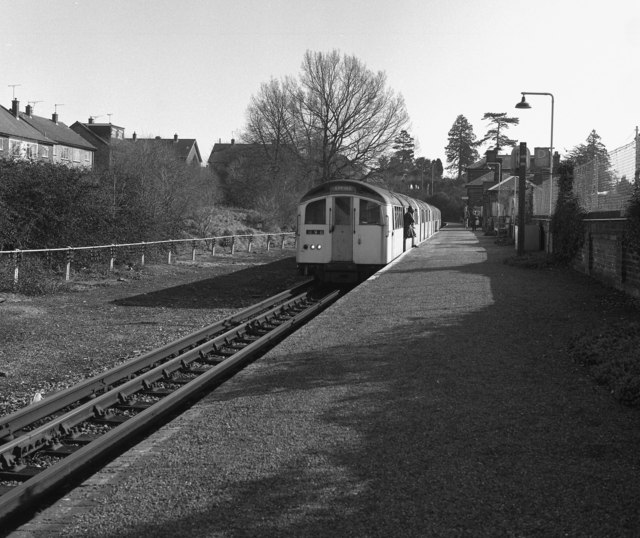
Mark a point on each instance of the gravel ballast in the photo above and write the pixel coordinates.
(437, 399)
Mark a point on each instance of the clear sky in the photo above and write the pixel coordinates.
(190, 67)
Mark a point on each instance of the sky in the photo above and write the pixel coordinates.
(190, 67)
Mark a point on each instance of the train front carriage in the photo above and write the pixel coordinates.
(348, 230)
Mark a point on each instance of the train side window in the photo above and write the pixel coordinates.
(369, 212)
(316, 212)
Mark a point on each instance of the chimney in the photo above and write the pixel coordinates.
(54, 118)
(135, 136)
(15, 107)
(175, 137)
(158, 138)
(233, 141)
(90, 119)
(29, 110)
(492, 155)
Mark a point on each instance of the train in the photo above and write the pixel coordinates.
(348, 230)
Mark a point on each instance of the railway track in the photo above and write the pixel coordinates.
(47, 443)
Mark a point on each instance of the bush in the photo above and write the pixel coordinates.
(567, 221)
(611, 357)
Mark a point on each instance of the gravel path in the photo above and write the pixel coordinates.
(436, 400)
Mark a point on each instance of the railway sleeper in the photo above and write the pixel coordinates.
(157, 391)
(82, 438)
(62, 450)
(20, 473)
(134, 406)
(111, 419)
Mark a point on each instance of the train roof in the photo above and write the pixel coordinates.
(366, 190)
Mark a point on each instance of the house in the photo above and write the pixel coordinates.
(223, 155)
(186, 150)
(68, 147)
(481, 176)
(20, 140)
(101, 136)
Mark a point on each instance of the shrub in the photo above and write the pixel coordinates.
(567, 221)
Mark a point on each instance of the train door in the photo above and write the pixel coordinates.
(342, 236)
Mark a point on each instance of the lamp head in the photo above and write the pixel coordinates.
(523, 103)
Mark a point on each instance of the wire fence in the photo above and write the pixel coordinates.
(18, 265)
(545, 196)
(606, 184)
(603, 184)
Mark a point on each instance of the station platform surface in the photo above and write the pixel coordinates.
(435, 399)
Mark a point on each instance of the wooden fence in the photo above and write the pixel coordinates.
(138, 253)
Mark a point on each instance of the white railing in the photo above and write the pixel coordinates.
(14, 258)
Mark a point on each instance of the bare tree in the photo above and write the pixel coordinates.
(351, 117)
(336, 121)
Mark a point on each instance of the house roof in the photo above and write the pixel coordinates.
(510, 184)
(181, 146)
(88, 134)
(482, 179)
(12, 126)
(482, 162)
(223, 154)
(59, 132)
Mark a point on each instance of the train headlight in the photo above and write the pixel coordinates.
(313, 247)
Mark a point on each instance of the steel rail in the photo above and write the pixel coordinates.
(63, 424)
(44, 482)
(14, 422)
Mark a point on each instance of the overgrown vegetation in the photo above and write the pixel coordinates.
(612, 359)
(567, 222)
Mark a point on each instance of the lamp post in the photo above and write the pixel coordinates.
(524, 105)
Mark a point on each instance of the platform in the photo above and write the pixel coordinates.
(436, 399)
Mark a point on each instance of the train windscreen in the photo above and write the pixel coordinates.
(316, 212)
(370, 212)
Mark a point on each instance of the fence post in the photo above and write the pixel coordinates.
(213, 246)
(16, 266)
(282, 243)
(268, 243)
(112, 258)
(170, 252)
(233, 244)
(193, 251)
(144, 251)
(67, 275)
(250, 243)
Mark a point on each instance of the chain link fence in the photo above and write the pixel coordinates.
(603, 185)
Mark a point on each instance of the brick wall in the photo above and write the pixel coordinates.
(605, 257)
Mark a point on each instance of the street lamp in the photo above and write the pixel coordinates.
(524, 105)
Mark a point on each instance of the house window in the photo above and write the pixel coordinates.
(65, 153)
(44, 152)
(76, 155)
(15, 148)
(56, 150)
(1, 144)
(32, 151)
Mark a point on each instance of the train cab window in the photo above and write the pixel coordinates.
(370, 212)
(316, 212)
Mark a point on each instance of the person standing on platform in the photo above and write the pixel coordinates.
(409, 221)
